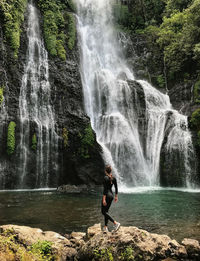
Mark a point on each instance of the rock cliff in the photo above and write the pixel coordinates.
(78, 159)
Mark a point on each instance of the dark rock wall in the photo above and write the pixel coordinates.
(67, 103)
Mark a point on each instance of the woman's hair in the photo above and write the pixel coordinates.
(108, 169)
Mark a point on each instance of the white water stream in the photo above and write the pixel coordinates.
(35, 108)
(110, 105)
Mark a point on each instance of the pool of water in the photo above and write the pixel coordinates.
(171, 212)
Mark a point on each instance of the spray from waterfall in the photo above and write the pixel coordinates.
(112, 99)
(37, 124)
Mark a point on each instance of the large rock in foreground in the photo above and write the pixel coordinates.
(129, 243)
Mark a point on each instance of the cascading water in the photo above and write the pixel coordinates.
(112, 104)
(35, 109)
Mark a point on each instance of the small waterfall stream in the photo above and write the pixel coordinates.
(111, 102)
(36, 114)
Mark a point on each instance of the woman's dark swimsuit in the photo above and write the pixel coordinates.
(107, 191)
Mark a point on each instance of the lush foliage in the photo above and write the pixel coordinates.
(195, 119)
(42, 249)
(173, 32)
(197, 92)
(11, 249)
(103, 254)
(13, 16)
(127, 254)
(59, 26)
(11, 138)
(71, 28)
(65, 137)
(1, 95)
(87, 141)
(137, 14)
(34, 142)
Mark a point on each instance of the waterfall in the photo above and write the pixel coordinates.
(36, 115)
(112, 101)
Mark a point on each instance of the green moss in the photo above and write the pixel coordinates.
(197, 92)
(59, 26)
(61, 50)
(160, 81)
(11, 138)
(50, 32)
(71, 30)
(195, 119)
(87, 141)
(65, 137)
(13, 15)
(1, 95)
(34, 142)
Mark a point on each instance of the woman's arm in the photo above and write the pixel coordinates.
(105, 191)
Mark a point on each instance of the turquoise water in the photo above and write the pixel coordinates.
(175, 213)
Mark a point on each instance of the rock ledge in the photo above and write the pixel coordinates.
(129, 243)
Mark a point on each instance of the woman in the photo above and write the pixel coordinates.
(109, 180)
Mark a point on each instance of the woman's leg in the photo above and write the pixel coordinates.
(104, 210)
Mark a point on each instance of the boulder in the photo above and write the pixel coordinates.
(130, 243)
(27, 236)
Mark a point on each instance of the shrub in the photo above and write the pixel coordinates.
(197, 92)
(71, 30)
(195, 119)
(42, 249)
(61, 50)
(87, 141)
(34, 142)
(161, 81)
(127, 254)
(11, 138)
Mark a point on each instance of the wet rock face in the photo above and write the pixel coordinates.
(148, 65)
(68, 108)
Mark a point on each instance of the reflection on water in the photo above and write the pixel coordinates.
(174, 213)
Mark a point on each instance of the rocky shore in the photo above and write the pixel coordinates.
(128, 243)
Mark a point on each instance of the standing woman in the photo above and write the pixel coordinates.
(108, 182)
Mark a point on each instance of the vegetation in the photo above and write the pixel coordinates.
(195, 124)
(87, 141)
(11, 249)
(195, 119)
(34, 142)
(103, 254)
(1, 95)
(12, 13)
(11, 138)
(43, 250)
(59, 26)
(197, 92)
(65, 137)
(127, 254)
(71, 26)
(172, 30)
